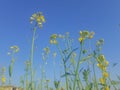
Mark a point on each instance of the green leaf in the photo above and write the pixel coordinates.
(56, 84)
(89, 87)
(66, 74)
(66, 59)
(115, 82)
(85, 74)
(84, 59)
(10, 70)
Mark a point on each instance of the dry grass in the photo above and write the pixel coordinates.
(10, 88)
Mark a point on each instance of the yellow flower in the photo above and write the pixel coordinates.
(14, 48)
(102, 80)
(37, 17)
(81, 39)
(34, 15)
(105, 74)
(101, 57)
(80, 33)
(47, 50)
(90, 37)
(99, 65)
(85, 33)
(3, 79)
(104, 68)
(107, 88)
(51, 41)
(54, 36)
(55, 42)
(42, 18)
(106, 63)
(54, 54)
(91, 34)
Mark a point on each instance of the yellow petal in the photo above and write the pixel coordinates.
(107, 88)
(105, 74)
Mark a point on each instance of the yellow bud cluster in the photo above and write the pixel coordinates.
(102, 64)
(14, 48)
(102, 80)
(3, 79)
(107, 88)
(105, 74)
(84, 35)
(47, 50)
(38, 18)
(53, 39)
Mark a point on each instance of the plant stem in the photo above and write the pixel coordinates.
(65, 68)
(112, 83)
(76, 71)
(27, 81)
(32, 56)
(96, 84)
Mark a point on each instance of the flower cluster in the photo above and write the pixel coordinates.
(103, 64)
(14, 48)
(84, 35)
(47, 50)
(3, 78)
(38, 18)
(53, 39)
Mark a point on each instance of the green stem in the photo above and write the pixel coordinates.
(11, 68)
(32, 56)
(76, 72)
(66, 76)
(96, 84)
(27, 81)
(65, 68)
(112, 83)
(54, 70)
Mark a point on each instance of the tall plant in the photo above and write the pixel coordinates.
(37, 20)
(13, 50)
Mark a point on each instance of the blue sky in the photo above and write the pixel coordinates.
(100, 16)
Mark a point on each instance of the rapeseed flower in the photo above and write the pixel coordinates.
(102, 64)
(14, 48)
(81, 39)
(100, 42)
(107, 88)
(3, 79)
(105, 74)
(47, 50)
(53, 39)
(102, 80)
(85, 35)
(106, 63)
(91, 34)
(53, 36)
(38, 18)
(54, 54)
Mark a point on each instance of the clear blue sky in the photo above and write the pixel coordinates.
(100, 16)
